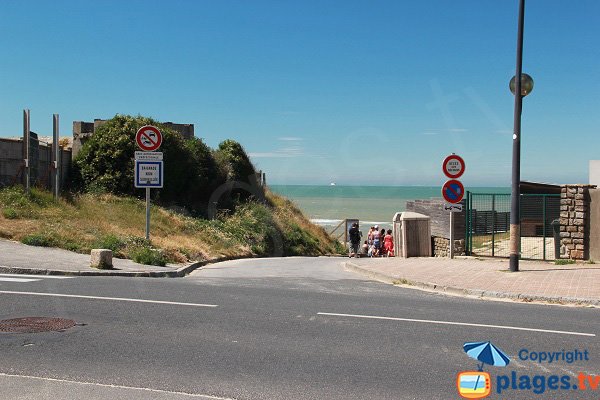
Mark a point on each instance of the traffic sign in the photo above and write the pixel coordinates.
(453, 207)
(453, 166)
(148, 174)
(148, 138)
(453, 191)
(148, 155)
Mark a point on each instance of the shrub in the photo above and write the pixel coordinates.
(10, 213)
(39, 239)
(110, 242)
(148, 256)
(564, 262)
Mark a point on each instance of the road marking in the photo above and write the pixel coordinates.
(7, 279)
(38, 276)
(76, 296)
(200, 396)
(426, 321)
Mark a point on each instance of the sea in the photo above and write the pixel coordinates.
(329, 205)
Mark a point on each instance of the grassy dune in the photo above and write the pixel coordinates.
(82, 222)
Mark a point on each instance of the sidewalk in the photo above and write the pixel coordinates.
(489, 278)
(19, 258)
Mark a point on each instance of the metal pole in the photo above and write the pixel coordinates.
(544, 225)
(147, 213)
(26, 147)
(493, 225)
(515, 224)
(56, 149)
(451, 234)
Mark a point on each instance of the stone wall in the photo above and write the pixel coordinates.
(441, 247)
(440, 225)
(575, 221)
(12, 164)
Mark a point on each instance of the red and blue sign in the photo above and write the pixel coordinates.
(453, 191)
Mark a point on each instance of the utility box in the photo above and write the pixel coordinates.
(412, 235)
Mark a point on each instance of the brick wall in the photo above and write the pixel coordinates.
(575, 221)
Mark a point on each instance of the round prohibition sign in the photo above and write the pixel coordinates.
(148, 138)
(453, 191)
(453, 166)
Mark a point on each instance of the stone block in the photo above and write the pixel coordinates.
(564, 214)
(571, 228)
(572, 190)
(565, 234)
(580, 247)
(579, 197)
(577, 235)
(101, 259)
(579, 215)
(578, 221)
(564, 221)
(571, 247)
(577, 241)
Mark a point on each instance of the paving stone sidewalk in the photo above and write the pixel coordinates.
(536, 281)
(16, 257)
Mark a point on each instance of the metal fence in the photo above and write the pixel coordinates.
(488, 225)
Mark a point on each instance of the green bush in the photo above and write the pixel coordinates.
(110, 242)
(148, 256)
(10, 213)
(564, 262)
(39, 239)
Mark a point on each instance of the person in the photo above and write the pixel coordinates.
(370, 236)
(376, 241)
(388, 244)
(354, 235)
(364, 249)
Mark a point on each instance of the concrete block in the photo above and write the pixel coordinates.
(101, 259)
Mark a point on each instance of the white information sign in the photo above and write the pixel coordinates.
(453, 207)
(148, 174)
(149, 155)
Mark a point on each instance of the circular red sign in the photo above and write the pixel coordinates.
(148, 138)
(453, 166)
(453, 191)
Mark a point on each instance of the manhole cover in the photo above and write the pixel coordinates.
(35, 325)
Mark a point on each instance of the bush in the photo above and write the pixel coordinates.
(39, 239)
(148, 256)
(10, 213)
(110, 242)
(564, 262)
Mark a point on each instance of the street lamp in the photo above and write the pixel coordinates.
(520, 85)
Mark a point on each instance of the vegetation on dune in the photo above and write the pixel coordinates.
(225, 210)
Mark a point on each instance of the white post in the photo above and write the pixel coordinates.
(451, 234)
(147, 213)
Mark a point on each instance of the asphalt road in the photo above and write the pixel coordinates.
(297, 328)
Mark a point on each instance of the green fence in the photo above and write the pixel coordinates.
(488, 224)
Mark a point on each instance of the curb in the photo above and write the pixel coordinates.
(177, 273)
(523, 297)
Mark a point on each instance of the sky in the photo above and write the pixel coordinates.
(353, 92)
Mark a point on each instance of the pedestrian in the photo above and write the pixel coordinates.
(354, 235)
(376, 241)
(388, 244)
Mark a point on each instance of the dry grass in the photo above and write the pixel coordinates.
(88, 221)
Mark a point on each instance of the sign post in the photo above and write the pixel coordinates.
(148, 165)
(453, 190)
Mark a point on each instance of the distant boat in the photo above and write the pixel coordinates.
(332, 184)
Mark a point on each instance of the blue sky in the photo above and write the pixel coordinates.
(356, 92)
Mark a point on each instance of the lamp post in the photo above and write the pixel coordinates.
(520, 85)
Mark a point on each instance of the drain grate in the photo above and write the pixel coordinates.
(35, 325)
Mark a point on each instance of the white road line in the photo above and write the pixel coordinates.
(76, 296)
(200, 396)
(426, 321)
(7, 279)
(39, 276)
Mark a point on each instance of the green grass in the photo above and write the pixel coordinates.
(81, 222)
(564, 262)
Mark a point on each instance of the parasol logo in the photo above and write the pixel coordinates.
(478, 384)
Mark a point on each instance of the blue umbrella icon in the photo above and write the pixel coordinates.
(487, 353)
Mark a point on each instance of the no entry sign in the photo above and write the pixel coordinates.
(148, 138)
(453, 166)
(453, 191)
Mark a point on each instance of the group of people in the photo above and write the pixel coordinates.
(378, 243)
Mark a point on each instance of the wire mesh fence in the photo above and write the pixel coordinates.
(488, 225)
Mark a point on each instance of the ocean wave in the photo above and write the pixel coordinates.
(325, 221)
